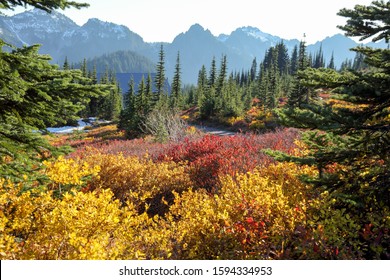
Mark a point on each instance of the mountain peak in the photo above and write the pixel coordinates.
(255, 33)
(196, 28)
(37, 19)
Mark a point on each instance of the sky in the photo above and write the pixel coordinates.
(163, 20)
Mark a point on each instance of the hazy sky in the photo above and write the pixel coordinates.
(162, 20)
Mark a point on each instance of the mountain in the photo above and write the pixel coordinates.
(37, 27)
(61, 37)
(253, 42)
(197, 47)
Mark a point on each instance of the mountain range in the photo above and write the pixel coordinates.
(60, 37)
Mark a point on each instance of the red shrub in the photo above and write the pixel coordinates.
(212, 156)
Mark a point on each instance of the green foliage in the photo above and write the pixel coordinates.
(160, 96)
(35, 94)
(176, 96)
(350, 140)
(45, 5)
(368, 21)
(120, 62)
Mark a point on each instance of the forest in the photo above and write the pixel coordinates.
(305, 175)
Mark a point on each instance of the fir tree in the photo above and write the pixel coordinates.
(66, 64)
(84, 68)
(160, 94)
(331, 62)
(176, 99)
(202, 86)
(319, 61)
(213, 73)
(253, 70)
(283, 59)
(300, 92)
(294, 61)
(127, 116)
(35, 95)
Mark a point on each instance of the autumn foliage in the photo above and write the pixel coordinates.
(205, 198)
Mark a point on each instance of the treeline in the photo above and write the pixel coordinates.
(219, 94)
(149, 99)
(119, 62)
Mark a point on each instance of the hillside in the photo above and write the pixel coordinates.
(120, 62)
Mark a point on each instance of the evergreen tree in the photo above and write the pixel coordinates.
(273, 88)
(349, 143)
(213, 73)
(331, 62)
(127, 116)
(176, 96)
(294, 61)
(66, 64)
(222, 75)
(319, 61)
(160, 94)
(84, 68)
(142, 100)
(202, 86)
(34, 95)
(149, 93)
(220, 85)
(283, 59)
(358, 62)
(253, 70)
(346, 65)
(300, 92)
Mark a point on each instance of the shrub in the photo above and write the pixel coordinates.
(138, 179)
(252, 216)
(164, 126)
(80, 226)
(212, 156)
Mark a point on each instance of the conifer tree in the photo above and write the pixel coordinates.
(160, 94)
(283, 59)
(331, 62)
(319, 61)
(294, 61)
(201, 86)
(34, 95)
(66, 64)
(127, 116)
(176, 98)
(253, 70)
(84, 68)
(149, 92)
(219, 86)
(213, 73)
(300, 92)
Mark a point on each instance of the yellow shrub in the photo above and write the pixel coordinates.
(256, 125)
(79, 226)
(251, 217)
(137, 179)
(69, 171)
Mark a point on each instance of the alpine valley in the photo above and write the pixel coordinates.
(98, 41)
